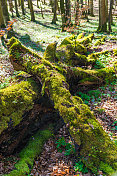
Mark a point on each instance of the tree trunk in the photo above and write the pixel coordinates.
(31, 11)
(11, 6)
(16, 7)
(19, 2)
(5, 11)
(91, 8)
(2, 24)
(22, 7)
(68, 12)
(77, 22)
(55, 12)
(96, 149)
(102, 16)
(62, 14)
(110, 15)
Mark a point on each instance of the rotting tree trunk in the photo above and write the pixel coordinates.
(25, 112)
(97, 150)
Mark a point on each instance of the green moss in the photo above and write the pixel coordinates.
(115, 52)
(106, 168)
(50, 53)
(95, 144)
(86, 40)
(72, 37)
(15, 100)
(79, 48)
(65, 53)
(80, 36)
(66, 41)
(80, 59)
(100, 41)
(15, 46)
(28, 154)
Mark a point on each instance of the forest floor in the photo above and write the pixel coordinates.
(102, 99)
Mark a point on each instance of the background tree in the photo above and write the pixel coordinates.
(62, 14)
(102, 16)
(91, 8)
(68, 12)
(31, 11)
(55, 12)
(2, 24)
(16, 8)
(22, 7)
(110, 16)
(11, 6)
(5, 11)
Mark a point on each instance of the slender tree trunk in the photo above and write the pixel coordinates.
(16, 7)
(77, 13)
(55, 12)
(11, 6)
(102, 16)
(22, 7)
(106, 9)
(2, 24)
(19, 2)
(91, 7)
(110, 15)
(68, 12)
(62, 14)
(31, 11)
(5, 11)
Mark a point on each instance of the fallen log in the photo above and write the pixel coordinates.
(96, 149)
(22, 112)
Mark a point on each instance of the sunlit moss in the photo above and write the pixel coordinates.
(28, 154)
(14, 101)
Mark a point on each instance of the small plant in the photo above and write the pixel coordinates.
(79, 166)
(62, 145)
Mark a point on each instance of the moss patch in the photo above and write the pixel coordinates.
(28, 154)
(15, 100)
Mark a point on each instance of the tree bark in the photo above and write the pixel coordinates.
(11, 6)
(2, 23)
(31, 11)
(68, 12)
(95, 147)
(16, 7)
(22, 7)
(102, 16)
(5, 11)
(91, 8)
(110, 16)
(62, 14)
(55, 12)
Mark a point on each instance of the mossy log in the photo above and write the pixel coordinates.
(96, 149)
(22, 111)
